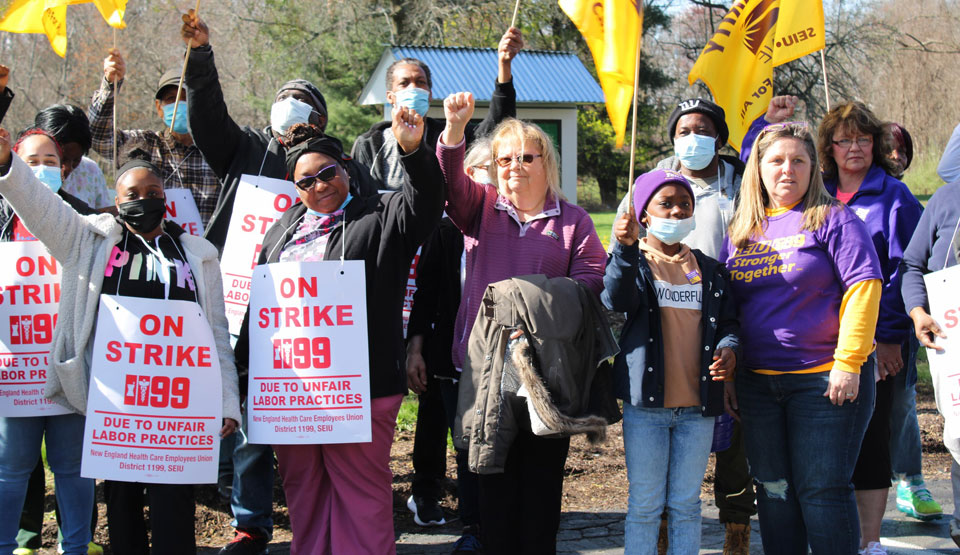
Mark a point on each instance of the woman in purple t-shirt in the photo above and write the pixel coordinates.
(807, 280)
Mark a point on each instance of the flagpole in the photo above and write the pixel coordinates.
(116, 92)
(826, 87)
(633, 133)
(183, 72)
(516, 8)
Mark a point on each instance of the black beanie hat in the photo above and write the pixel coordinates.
(308, 88)
(324, 145)
(702, 106)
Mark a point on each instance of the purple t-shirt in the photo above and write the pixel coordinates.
(789, 286)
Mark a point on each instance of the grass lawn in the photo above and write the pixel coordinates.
(603, 221)
(407, 417)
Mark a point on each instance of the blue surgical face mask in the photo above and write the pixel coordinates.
(49, 176)
(321, 214)
(668, 230)
(289, 112)
(415, 99)
(180, 125)
(695, 151)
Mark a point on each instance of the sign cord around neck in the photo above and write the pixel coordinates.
(263, 162)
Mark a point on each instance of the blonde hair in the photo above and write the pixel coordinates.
(478, 155)
(750, 218)
(513, 130)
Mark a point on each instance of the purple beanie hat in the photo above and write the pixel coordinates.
(647, 184)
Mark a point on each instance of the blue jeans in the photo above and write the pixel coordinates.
(666, 451)
(802, 450)
(252, 497)
(905, 447)
(20, 440)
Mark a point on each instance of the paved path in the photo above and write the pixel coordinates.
(601, 533)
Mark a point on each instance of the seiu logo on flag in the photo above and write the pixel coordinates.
(755, 36)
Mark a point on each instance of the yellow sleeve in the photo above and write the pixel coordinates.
(858, 323)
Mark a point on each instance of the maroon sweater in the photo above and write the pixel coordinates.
(561, 242)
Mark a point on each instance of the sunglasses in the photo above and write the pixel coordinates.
(522, 159)
(325, 174)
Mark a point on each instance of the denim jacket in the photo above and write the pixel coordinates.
(638, 370)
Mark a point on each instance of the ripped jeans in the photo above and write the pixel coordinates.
(802, 450)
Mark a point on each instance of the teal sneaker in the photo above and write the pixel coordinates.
(914, 500)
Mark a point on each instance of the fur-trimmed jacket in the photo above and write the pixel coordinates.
(535, 361)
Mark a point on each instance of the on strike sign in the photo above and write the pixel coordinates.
(154, 408)
(309, 367)
(29, 295)
(260, 201)
(182, 209)
(943, 292)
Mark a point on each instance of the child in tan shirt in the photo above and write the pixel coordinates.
(678, 348)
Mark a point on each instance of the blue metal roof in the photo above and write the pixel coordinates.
(538, 76)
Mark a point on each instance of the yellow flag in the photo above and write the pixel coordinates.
(111, 10)
(754, 37)
(50, 18)
(611, 28)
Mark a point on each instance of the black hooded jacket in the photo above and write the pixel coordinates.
(368, 149)
(231, 150)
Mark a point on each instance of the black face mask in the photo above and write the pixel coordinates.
(143, 215)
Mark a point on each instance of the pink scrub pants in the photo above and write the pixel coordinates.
(339, 495)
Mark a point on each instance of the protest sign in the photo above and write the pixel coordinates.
(155, 401)
(182, 209)
(29, 296)
(410, 290)
(943, 293)
(309, 365)
(260, 201)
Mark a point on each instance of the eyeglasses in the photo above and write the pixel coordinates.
(325, 174)
(862, 142)
(522, 159)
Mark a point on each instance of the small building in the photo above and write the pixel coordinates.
(549, 85)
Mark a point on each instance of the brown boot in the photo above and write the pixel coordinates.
(662, 538)
(737, 541)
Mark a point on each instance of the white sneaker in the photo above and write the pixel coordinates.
(873, 548)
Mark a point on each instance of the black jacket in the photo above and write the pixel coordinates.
(368, 148)
(383, 230)
(231, 150)
(437, 299)
(6, 97)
